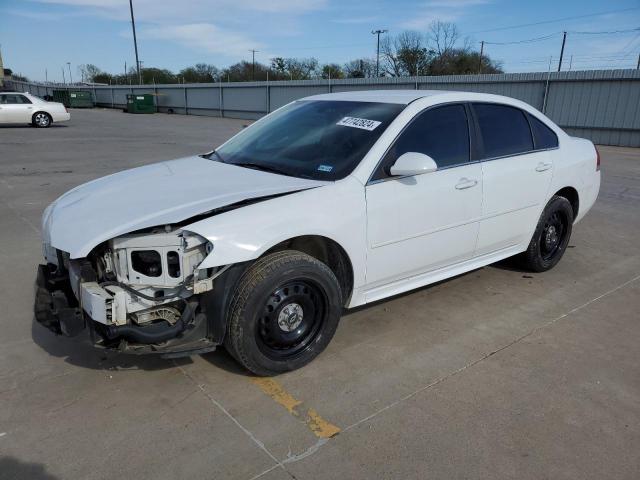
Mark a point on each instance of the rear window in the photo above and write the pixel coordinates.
(505, 130)
(543, 136)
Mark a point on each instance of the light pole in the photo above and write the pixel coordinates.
(135, 42)
(378, 32)
(253, 64)
(70, 77)
(564, 40)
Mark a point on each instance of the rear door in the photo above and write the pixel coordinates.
(424, 222)
(15, 108)
(516, 176)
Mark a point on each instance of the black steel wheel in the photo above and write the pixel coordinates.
(284, 312)
(551, 236)
(41, 120)
(293, 315)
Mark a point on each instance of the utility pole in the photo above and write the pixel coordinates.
(570, 62)
(378, 32)
(253, 64)
(480, 59)
(70, 77)
(46, 77)
(564, 39)
(64, 80)
(135, 42)
(638, 66)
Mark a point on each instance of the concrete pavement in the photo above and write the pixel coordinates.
(494, 374)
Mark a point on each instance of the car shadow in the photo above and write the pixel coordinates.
(223, 360)
(79, 352)
(20, 125)
(11, 467)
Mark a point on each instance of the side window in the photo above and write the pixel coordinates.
(504, 129)
(9, 99)
(12, 99)
(543, 136)
(441, 132)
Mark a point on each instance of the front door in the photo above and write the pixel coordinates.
(421, 223)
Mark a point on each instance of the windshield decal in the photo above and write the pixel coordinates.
(362, 123)
(324, 168)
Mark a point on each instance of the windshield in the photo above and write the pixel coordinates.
(322, 140)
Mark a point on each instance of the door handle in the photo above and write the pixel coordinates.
(543, 167)
(466, 183)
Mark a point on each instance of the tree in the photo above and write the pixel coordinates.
(360, 68)
(200, 73)
(462, 61)
(243, 72)
(442, 36)
(332, 70)
(88, 72)
(405, 54)
(155, 75)
(294, 68)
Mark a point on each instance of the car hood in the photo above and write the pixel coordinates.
(157, 194)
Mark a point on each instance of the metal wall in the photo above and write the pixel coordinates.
(602, 105)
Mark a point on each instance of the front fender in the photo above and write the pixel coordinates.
(336, 211)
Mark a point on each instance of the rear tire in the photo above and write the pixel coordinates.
(551, 236)
(41, 120)
(283, 314)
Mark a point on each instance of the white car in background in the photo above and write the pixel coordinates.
(19, 107)
(330, 202)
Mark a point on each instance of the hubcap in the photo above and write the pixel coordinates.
(42, 119)
(553, 235)
(290, 317)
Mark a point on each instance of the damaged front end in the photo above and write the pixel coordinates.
(141, 293)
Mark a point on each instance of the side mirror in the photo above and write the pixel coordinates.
(413, 163)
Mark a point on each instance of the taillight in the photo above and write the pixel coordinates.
(597, 159)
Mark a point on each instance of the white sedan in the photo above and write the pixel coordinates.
(332, 201)
(18, 107)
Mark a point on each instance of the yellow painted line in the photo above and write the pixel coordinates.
(318, 425)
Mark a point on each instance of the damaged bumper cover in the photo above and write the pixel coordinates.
(58, 309)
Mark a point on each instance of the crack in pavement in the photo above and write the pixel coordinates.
(246, 431)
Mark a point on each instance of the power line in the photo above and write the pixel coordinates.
(551, 35)
(575, 17)
(613, 32)
(528, 40)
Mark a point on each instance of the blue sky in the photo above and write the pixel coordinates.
(45, 34)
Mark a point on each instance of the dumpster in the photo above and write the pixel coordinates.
(74, 98)
(140, 103)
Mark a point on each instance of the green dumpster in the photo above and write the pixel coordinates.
(74, 98)
(140, 103)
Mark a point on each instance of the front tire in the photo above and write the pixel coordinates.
(551, 236)
(41, 120)
(284, 312)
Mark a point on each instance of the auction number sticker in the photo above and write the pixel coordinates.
(362, 123)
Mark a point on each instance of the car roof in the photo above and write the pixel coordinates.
(405, 97)
(384, 96)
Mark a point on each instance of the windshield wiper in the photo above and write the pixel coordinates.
(209, 155)
(264, 168)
